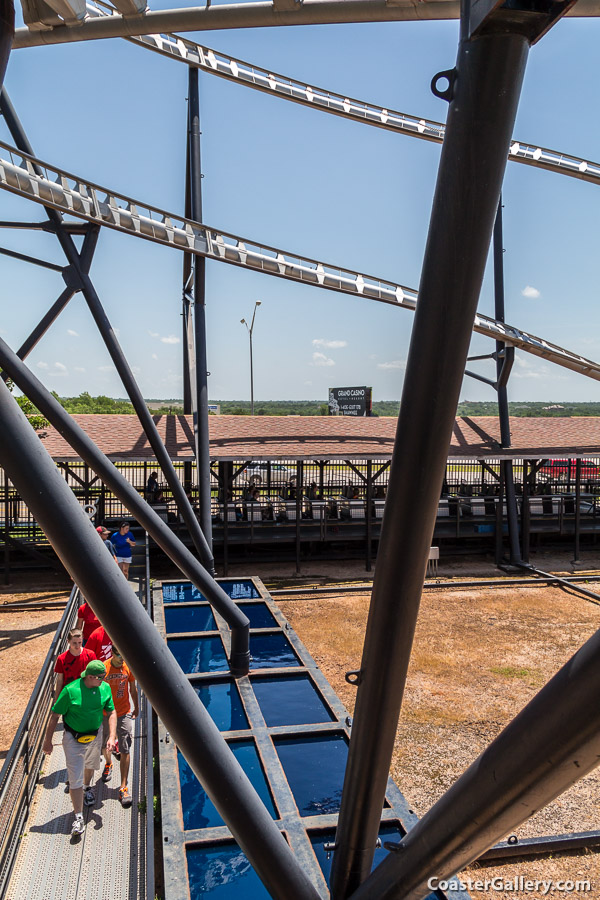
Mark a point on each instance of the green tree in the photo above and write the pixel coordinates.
(36, 419)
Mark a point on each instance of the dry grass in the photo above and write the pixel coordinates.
(479, 656)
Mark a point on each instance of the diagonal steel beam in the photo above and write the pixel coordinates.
(53, 503)
(483, 94)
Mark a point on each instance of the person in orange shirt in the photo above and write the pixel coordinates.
(125, 696)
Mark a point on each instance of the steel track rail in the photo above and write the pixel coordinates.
(237, 70)
(254, 15)
(33, 179)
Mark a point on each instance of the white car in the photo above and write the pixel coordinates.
(258, 473)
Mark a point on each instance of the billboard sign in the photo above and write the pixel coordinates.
(350, 401)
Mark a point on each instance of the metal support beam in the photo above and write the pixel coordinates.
(7, 32)
(483, 103)
(551, 744)
(52, 502)
(84, 284)
(200, 395)
(44, 264)
(127, 494)
(503, 366)
(577, 508)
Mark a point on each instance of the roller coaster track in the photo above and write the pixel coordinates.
(35, 180)
(236, 70)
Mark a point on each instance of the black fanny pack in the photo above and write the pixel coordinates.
(82, 737)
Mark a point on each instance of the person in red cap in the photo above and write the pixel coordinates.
(104, 533)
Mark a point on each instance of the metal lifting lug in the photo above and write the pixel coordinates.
(354, 677)
(449, 75)
(512, 839)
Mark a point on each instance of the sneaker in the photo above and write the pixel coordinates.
(107, 772)
(89, 798)
(125, 798)
(78, 826)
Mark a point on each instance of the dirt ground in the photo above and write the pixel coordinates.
(25, 637)
(480, 654)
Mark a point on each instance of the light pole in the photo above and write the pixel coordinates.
(250, 329)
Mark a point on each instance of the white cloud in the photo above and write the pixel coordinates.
(308, 383)
(106, 368)
(72, 333)
(319, 359)
(154, 334)
(531, 292)
(57, 368)
(154, 356)
(394, 364)
(329, 345)
(171, 339)
(136, 370)
(78, 369)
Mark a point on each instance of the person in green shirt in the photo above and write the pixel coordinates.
(81, 704)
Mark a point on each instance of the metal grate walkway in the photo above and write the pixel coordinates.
(108, 861)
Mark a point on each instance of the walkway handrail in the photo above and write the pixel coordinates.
(148, 713)
(19, 775)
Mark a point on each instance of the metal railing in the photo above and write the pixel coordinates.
(149, 721)
(19, 775)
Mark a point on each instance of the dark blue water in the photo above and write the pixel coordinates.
(259, 615)
(223, 873)
(290, 700)
(314, 767)
(325, 857)
(240, 590)
(184, 592)
(189, 618)
(222, 700)
(198, 810)
(271, 651)
(204, 654)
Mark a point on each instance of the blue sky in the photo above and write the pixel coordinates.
(308, 183)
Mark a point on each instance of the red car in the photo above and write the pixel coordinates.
(566, 469)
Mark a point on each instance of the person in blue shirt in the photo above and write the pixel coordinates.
(123, 542)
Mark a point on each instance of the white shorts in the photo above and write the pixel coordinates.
(81, 756)
(121, 559)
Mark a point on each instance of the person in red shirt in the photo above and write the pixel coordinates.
(70, 664)
(100, 644)
(125, 696)
(87, 620)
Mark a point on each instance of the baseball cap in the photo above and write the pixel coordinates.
(102, 530)
(95, 667)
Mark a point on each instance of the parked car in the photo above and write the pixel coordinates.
(258, 473)
(563, 469)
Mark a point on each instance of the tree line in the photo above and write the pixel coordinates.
(85, 403)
